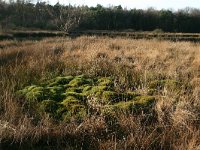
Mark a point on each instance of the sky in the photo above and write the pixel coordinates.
(139, 4)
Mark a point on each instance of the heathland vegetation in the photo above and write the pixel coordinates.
(108, 89)
(99, 93)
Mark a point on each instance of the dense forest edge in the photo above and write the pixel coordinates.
(42, 16)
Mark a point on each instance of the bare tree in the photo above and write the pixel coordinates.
(68, 18)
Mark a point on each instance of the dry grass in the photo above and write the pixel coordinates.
(133, 63)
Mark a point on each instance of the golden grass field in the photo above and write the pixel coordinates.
(133, 64)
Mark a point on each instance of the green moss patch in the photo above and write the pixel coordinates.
(105, 81)
(59, 81)
(79, 81)
(138, 104)
(70, 96)
(34, 93)
(48, 106)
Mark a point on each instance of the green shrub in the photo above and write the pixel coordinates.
(34, 93)
(48, 106)
(66, 97)
(74, 89)
(79, 80)
(78, 96)
(110, 96)
(75, 111)
(143, 103)
(70, 100)
(123, 106)
(56, 92)
(105, 81)
(60, 81)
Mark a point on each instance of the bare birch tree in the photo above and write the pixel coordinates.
(68, 18)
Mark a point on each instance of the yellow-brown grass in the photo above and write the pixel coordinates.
(134, 63)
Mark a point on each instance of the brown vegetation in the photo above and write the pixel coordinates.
(135, 65)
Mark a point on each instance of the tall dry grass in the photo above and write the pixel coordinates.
(133, 63)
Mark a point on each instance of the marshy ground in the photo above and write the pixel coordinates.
(99, 93)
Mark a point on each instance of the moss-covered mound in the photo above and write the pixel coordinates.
(75, 96)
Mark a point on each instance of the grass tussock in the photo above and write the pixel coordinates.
(168, 72)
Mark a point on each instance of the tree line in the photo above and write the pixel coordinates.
(24, 14)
